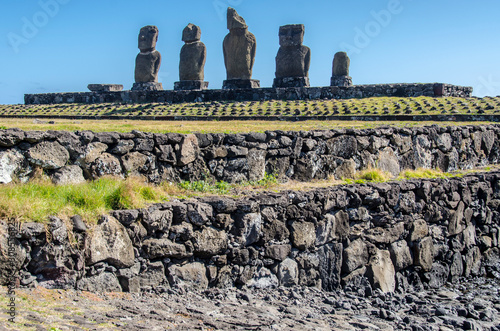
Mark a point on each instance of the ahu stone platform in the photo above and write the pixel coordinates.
(253, 94)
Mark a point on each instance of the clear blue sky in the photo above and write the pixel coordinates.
(389, 41)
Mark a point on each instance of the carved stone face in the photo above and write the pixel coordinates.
(292, 35)
(191, 33)
(148, 38)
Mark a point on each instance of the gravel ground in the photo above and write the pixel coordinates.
(469, 305)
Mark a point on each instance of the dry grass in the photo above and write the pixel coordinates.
(39, 198)
(206, 126)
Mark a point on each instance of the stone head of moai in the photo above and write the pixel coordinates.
(235, 21)
(291, 35)
(191, 33)
(148, 36)
(341, 63)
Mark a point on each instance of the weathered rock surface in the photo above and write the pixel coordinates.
(48, 155)
(71, 174)
(193, 55)
(235, 158)
(341, 63)
(110, 243)
(147, 63)
(239, 48)
(293, 59)
(12, 165)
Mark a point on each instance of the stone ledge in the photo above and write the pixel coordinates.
(255, 94)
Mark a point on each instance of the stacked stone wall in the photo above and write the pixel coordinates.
(304, 156)
(254, 94)
(392, 236)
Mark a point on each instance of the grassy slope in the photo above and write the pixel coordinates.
(367, 106)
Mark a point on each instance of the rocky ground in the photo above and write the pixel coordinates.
(468, 305)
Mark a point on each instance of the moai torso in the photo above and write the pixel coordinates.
(341, 63)
(147, 66)
(293, 59)
(239, 48)
(193, 55)
(147, 63)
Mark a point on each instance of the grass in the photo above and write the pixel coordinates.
(38, 199)
(187, 127)
(286, 108)
(430, 173)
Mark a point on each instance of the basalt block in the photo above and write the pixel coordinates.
(232, 84)
(105, 87)
(190, 85)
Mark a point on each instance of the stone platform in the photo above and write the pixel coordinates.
(255, 94)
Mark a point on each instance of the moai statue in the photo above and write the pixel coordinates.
(239, 53)
(340, 76)
(293, 59)
(147, 63)
(192, 63)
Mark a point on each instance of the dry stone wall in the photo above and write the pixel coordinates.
(392, 236)
(255, 94)
(71, 157)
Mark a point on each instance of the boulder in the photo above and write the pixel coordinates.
(199, 213)
(12, 165)
(104, 282)
(71, 174)
(248, 227)
(419, 230)
(303, 235)
(209, 242)
(48, 155)
(191, 276)
(152, 277)
(400, 255)
(344, 146)
(381, 271)
(278, 252)
(424, 253)
(473, 262)
(262, 279)
(256, 164)
(455, 226)
(157, 221)
(388, 161)
(288, 273)
(355, 256)
(105, 164)
(161, 248)
(188, 151)
(135, 163)
(346, 170)
(12, 253)
(330, 264)
(110, 242)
